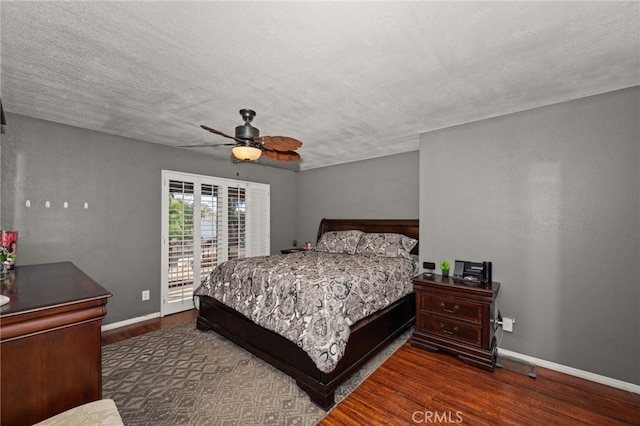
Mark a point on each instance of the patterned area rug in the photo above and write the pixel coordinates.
(183, 376)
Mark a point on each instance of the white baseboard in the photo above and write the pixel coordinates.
(130, 321)
(573, 371)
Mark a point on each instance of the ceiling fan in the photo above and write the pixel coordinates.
(249, 145)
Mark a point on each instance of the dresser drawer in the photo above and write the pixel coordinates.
(451, 329)
(452, 307)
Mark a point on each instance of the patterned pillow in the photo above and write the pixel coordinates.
(339, 241)
(386, 244)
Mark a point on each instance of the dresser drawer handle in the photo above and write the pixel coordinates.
(450, 311)
(455, 329)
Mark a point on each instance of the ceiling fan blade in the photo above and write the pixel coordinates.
(206, 145)
(281, 155)
(279, 143)
(218, 132)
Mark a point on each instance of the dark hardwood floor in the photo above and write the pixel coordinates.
(416, 387)
(133, 330)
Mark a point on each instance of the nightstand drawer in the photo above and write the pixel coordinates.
(451, 329)
(452, 307)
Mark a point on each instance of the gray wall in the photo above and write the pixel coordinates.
(552, 197)
(117, 240)
(381, 188)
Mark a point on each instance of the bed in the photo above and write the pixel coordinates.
(366, 336)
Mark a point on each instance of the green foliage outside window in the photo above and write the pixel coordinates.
(180, 218)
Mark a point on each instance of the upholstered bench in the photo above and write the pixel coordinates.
(97, 413)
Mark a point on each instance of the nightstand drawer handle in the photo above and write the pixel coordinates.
(455, 329)
(451, 311)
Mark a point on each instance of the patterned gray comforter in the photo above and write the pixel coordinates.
(311, 298)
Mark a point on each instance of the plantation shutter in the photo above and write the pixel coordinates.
(206, 221)
(237, 209)
(210, 227)
(180, 244)
(258, 220)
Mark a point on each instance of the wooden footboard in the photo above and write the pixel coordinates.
(368, 337)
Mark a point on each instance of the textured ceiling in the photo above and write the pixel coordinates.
(351, 80)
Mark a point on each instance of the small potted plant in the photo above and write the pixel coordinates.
(444, 265)
(294, 243)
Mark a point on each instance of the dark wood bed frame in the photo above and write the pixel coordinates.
(368, 336)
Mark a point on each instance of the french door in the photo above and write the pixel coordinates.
(206, 221)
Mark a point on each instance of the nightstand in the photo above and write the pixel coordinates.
(457, 318)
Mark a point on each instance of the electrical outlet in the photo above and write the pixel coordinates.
(145, 295)
(507, 324)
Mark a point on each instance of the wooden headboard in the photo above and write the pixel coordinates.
(408, 227)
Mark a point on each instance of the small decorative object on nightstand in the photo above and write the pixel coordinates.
(430, 267)
(456, 317)
(445, 266)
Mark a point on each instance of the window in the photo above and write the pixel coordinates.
(206, 221)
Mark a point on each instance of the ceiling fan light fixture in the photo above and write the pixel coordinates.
(249, 145)
(246, 153)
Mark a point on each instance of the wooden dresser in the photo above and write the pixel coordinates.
(50, 352)
(457, 318)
